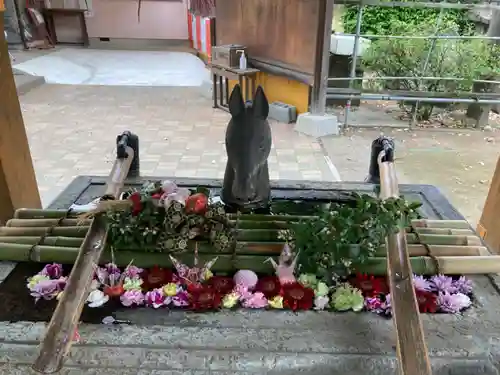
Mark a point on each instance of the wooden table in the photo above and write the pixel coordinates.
(49, 14)
(246, 79)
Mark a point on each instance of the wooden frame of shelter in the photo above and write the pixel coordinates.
(18, 188)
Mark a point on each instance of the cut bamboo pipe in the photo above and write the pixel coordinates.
(16, 223)
(61, 328)
(79, 232)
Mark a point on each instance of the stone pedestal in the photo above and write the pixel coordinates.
(317, 125)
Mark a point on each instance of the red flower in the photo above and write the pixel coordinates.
(156, 277)
(156, 195)
(297, 297)
(269, 286)
(221, 284)
(371, 286)
(114, 291)
(427, 301)
(136, 203)
(205, 298)
(197, 204)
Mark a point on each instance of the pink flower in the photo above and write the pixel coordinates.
(246, 278)
(420, 283)
(242, 292)
(463, 285)
(453, 303)
(442, 283)
(54, 270)
(47, 289)
(374, 304)
(256, 301)
(181, 299)
(132, 272)
(132, 297)
(155, 298)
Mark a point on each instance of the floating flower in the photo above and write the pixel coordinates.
(370, 285)
(374, 304)
(420, 283)
(133, 272)
(453, 303)
(321, 289)
(297, 297)
(156, 277)
(309, 280)
(53, 271)
(270, 286)
(136, 200)
(181, 299)
(132, 297)
(242, 291)
(427, 301)
(197, 204)
(246, 278)
(321, 302)
(32, 281)
(170, 289)
(45, 289)
(205, 298)
(155, 298)
(114, 290)
(134, 283)
(221, 284)
(463, 285)
(256, 301)
(230, 300)
(442, 283)
(97, 298)
(347, 298)
(276, 302)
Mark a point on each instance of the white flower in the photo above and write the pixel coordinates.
(320, 302)
(97, 298)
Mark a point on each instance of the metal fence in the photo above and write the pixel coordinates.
(480, 98)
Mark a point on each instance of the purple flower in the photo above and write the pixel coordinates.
(132, 272)
(256, 301)
(181, 299)
(112, 268)
(155, 298)
(442, 283)
(132, 297)
(54, 270)
(242, 292)
(453, 303)
(102, 275)
(463, 285)
(46, 289)
(421, 284)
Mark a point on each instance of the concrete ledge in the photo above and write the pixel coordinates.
(173, 45)
(26, 82)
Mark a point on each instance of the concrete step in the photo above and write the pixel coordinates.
(170, 361)
(26, 82)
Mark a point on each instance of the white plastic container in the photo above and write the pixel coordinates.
(344, 45)
(243, 60)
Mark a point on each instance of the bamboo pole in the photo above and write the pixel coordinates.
(47, 241)
(411, 347)
(79, 232)
(61, 328)
(46, 222)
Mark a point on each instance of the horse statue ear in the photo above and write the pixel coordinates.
(260, 104)
(236, 104)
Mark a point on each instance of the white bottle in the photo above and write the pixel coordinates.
(243, 60)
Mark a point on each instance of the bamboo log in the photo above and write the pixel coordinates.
(453, 265)
(46, 223)
(411, 347)
(38, 213)
(79, 232)
(47, 241)
(449, 224)
(61, 328)
(445, 231)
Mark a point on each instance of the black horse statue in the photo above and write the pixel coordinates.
(248, 144)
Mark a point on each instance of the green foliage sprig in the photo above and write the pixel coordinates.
(343, 236)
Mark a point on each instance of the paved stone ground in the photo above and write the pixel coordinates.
(72, 129)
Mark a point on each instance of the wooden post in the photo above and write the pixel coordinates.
(18, 186)
(489, 224)
(318, 92)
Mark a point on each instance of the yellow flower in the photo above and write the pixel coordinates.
(230, 300)
(208, 274)
(170, 289)
(32, 281)
(276, 302)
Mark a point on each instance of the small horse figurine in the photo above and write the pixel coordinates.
(248, 144)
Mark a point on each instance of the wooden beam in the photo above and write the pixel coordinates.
(18, 186)
(489, 224)
(323, 38)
